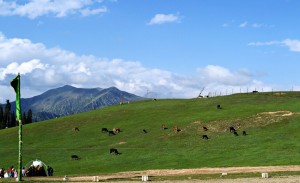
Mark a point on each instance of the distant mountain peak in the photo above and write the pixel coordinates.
(67, 100)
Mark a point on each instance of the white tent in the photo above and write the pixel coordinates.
(36, 168)
(36, 163)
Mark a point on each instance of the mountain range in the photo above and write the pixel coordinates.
(68, 100)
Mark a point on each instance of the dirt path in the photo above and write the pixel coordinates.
(170, 172)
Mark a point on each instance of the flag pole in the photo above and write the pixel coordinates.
(15, 83)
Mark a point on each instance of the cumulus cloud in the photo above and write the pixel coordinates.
(43, 68)
(292, 44)
(164, 18)
(23, 68)
(36, 8)
(220, 75)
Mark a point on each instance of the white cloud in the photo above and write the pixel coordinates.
(88, 12)
(269, 43)
(247, 24)
(244, 24)
(43, 68)
(292, 44)
(255, 25)
(220, 75)
(164, 18)
(36, 8)
(23, 68)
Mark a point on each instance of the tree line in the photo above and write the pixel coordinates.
(8, 117)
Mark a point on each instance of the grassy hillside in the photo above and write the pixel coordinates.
(273, 138)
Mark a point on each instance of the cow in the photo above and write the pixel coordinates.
(176, 129)
(110, 133)
(74, 157)
(163, 127)
(145, 131)
(205, 137)
(115, 151)
(244, 133)
(254, 91)
(75, 129)
(117, 130)
(235, 133)
(205, 128)
(232, 129)
(104, 130)
(219, 107)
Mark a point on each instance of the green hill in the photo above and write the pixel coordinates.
(273, 136)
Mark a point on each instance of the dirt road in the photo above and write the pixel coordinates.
(169, 172)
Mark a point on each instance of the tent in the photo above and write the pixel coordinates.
(36, 168)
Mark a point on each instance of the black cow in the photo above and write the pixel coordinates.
(74, 157)
(145, 131)
(104, 130)
(205, 137)
(244, 133)
(232, 129)
(115, 151)
(205, 128)
(219, 107)
(235, 133)
(110, 133)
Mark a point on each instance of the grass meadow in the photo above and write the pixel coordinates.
(273, 138)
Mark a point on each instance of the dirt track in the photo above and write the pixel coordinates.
(134, 174)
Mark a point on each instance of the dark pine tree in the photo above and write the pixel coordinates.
(24, 121)
(29, 117)
(7, 115)
(13, 121)
(2, 125)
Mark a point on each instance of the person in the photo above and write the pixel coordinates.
(15, 173)
(2, 171)
(50, 171)
(23, 172)
(10, 171)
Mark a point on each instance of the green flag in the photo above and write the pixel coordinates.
(15, 83)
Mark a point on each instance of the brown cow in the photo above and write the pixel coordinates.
(176, 129)
(117, 130)
(76, 129)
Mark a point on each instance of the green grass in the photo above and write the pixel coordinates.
(272, 140)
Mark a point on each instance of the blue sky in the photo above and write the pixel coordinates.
(170, 48)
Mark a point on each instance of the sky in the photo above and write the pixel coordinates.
(154, 48)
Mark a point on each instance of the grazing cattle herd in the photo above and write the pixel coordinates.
(115, 131)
